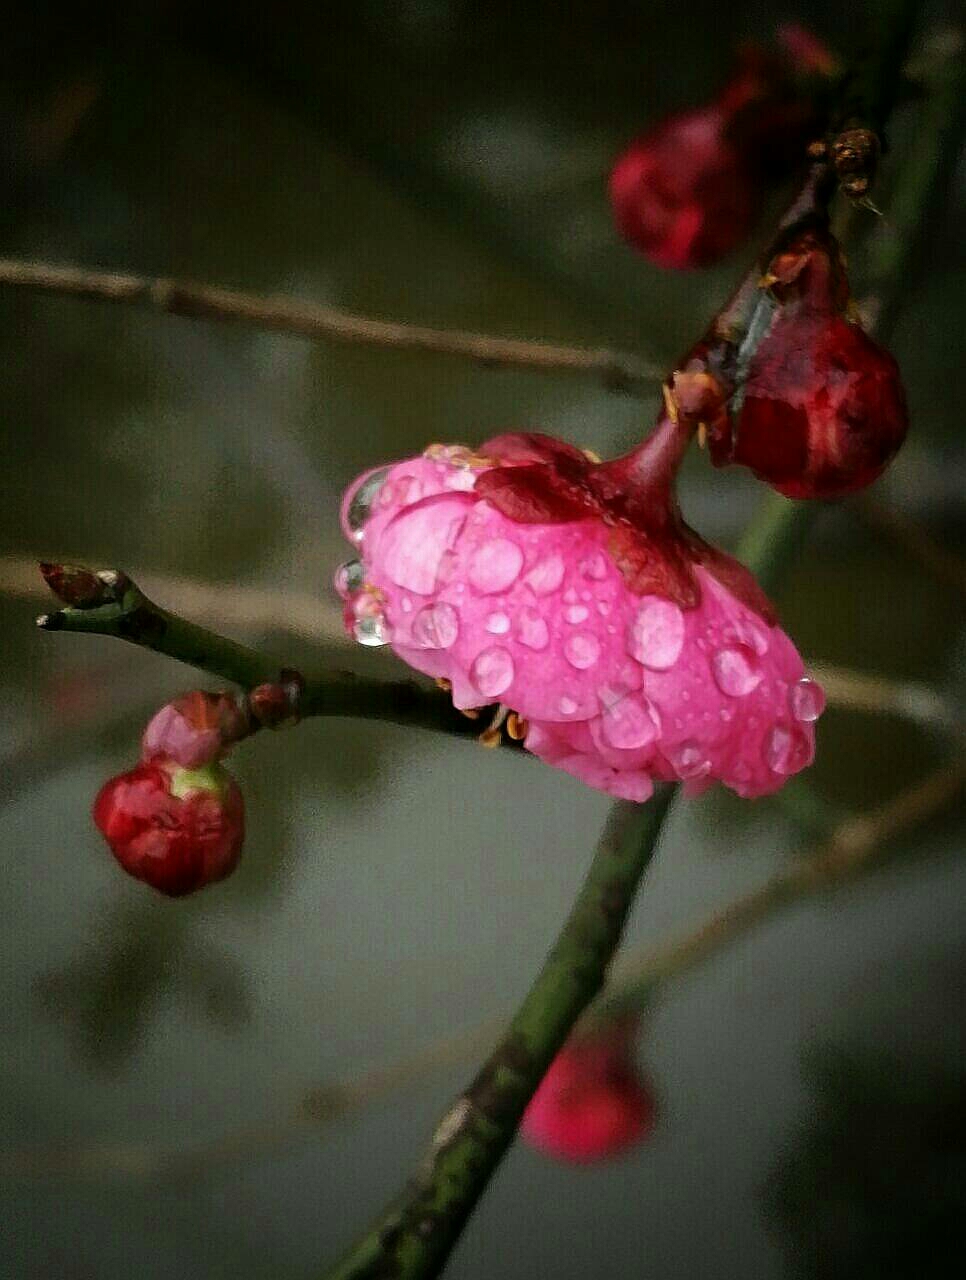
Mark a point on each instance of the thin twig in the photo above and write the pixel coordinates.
(618, 371)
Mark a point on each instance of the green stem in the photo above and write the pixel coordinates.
(125, 612)
(415, 1236)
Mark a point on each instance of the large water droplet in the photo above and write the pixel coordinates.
(807, 700)
(546, 575)
(689, 760)
(566, 706)
(349, 577)
(575, 613)
(498, 624)
(495, 565)
(582, 650)
(413, 545)
(786, 750)
(628, 720)
(492, 672)
(736, 671)
(436, 626)
(371, 630)
(533, 630)
(363, 499)
(656, 635)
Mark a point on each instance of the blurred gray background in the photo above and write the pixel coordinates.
(441, 162)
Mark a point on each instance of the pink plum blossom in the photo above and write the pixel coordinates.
(573, 594)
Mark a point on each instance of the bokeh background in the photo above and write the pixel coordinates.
(173, 1074)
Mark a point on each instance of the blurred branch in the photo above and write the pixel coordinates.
(857, 847)
(616, 370)
(247, 607)
(859, 844)
(910, 536)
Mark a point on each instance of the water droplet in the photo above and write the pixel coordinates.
(407, 605)
(533, 630)
(786, 750)
(371, 630)
(594, 567)
(492, 672)
(689, 760)
(575, 613)
(736, 671)
(629, 720)
(582, 650)
(414, 544)
(603, 608)
(436, 626)
(408, 490)
(807, 700)
(363, 498)
(656, 635)
(498, 624)
(570, 595)
(349, 577)
(495, 565)
(566, 706)
(726, 714)
(546, 575)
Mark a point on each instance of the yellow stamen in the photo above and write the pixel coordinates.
(516, 727)
(767, 280)
(471, 713)
(444, 684)
(702, 435)
(590, 455)
(670, 404)
(490, 738)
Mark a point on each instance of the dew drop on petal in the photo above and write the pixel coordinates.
(546, 575)
(736, 671)
(566, 706)
(594, 567)
(414, 544)
(363, 500)
(495, 565)
(533, 631)
(492, 672)
(498, 624)
(407, 605)
(628, 720)
(349, 577)
(436, 626)
(689, 760)
(371, 630)
(807, 700)
(575, 613)
(786, 750)
(656, 635)
(582, 650)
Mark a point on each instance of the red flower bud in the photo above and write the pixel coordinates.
(684, 194)
(823, 409)
(176, 829)
(688, 191)
(592, 1103)
(194, 729)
